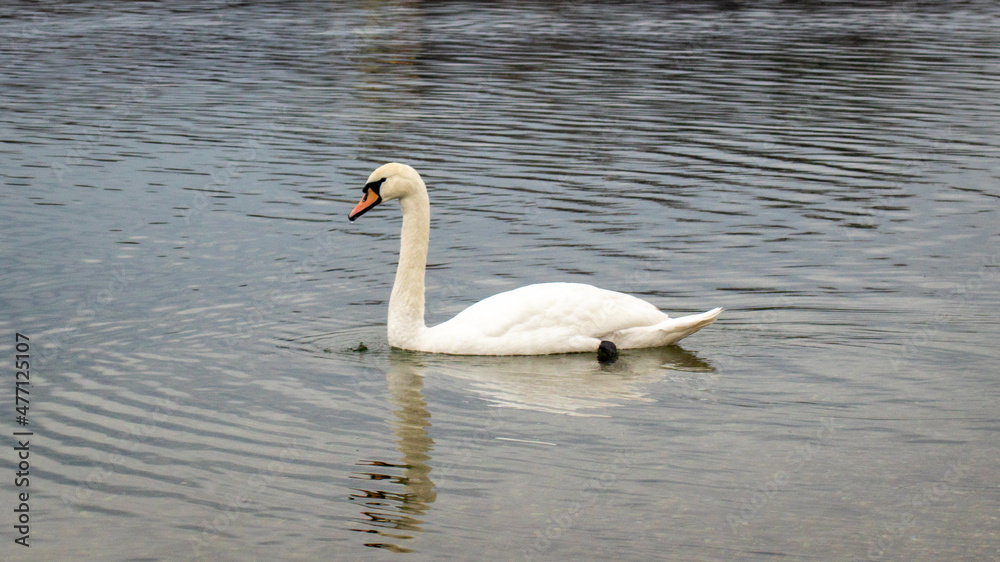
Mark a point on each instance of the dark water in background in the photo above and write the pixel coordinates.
(176, 178)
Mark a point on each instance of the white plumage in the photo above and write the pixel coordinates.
(532, 320)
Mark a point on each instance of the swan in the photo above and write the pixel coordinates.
(538, 319)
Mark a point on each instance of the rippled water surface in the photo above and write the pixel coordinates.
(176, 179)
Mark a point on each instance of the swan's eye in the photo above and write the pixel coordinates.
(374, 186)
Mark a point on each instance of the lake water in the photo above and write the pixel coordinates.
(176, 182)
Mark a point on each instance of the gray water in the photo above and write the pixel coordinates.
(176, 179)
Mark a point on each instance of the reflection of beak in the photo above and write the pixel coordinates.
(370, 199)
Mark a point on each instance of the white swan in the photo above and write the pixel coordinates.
(533, 320)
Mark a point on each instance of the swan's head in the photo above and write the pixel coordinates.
(390, 181)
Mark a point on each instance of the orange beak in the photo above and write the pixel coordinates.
(370, 199)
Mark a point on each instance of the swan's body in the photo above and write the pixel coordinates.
(533, 320)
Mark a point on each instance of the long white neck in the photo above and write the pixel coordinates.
(406, 305)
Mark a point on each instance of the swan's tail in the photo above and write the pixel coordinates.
(677, 329)
(665, 333)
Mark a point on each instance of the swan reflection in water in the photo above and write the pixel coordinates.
(396, 496)
(399, 493)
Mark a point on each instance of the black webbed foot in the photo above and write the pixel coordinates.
(607, 352)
